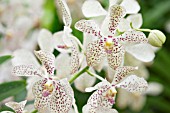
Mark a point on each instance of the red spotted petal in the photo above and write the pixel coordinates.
(134, 84)
(47, 60)
(117, 12)
(116, 56)
(133, 37)
(26, 70)
(122, 72)
(95, 53)
(66, 12)
(74, 59)
(41, 100)
(62, 97)
(89, 27)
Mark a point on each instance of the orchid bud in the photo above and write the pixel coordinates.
(156, 38)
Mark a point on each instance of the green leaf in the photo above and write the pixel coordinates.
(11, 88)
(5, 58)
(21, 96)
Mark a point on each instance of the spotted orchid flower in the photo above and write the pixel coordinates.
(50, 94)
(17, 107)
(104, 98)
(110, 46)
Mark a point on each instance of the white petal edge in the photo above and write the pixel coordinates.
(45, 40)
(131, 6)
(136, 20)
(142, 52)
(92, 8)
(24, 57)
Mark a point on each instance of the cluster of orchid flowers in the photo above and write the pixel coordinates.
(104, 47)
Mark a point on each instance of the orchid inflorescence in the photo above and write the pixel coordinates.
(104, 41)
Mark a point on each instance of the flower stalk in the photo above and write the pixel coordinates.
(78, 74)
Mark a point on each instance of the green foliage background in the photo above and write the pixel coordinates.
(155, 15)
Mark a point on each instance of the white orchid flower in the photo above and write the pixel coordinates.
(132, 7)
(50, 94)
(110, 46)
(104, 98)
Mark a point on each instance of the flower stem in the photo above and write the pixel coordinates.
(35, 111)
(78, 74)
(95, 75)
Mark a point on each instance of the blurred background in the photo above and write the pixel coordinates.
(43, 14)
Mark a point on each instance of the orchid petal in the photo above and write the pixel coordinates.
(131, 6)
(67, 36)
(133, 37)
(60, 44)
(89, 27)
(116, 56)
(62, 67)
(92, 8)
(89, 109)
(45, 40)
(142, 52)
(124, 25)
(26, 70)
(74, 59)
(136, 20)
(17, 107)
(117, 12)
(41, 102)
(24, 57)
(95, 53)
(133, 84)
(122, 72)
(66, 12)
(62, 97)
(113, 2)
(105, 26)
(30, 83)
(47, 60)
(109, 73)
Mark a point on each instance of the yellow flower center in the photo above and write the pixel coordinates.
(108, 44)
(110, 93)
(48, 86)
